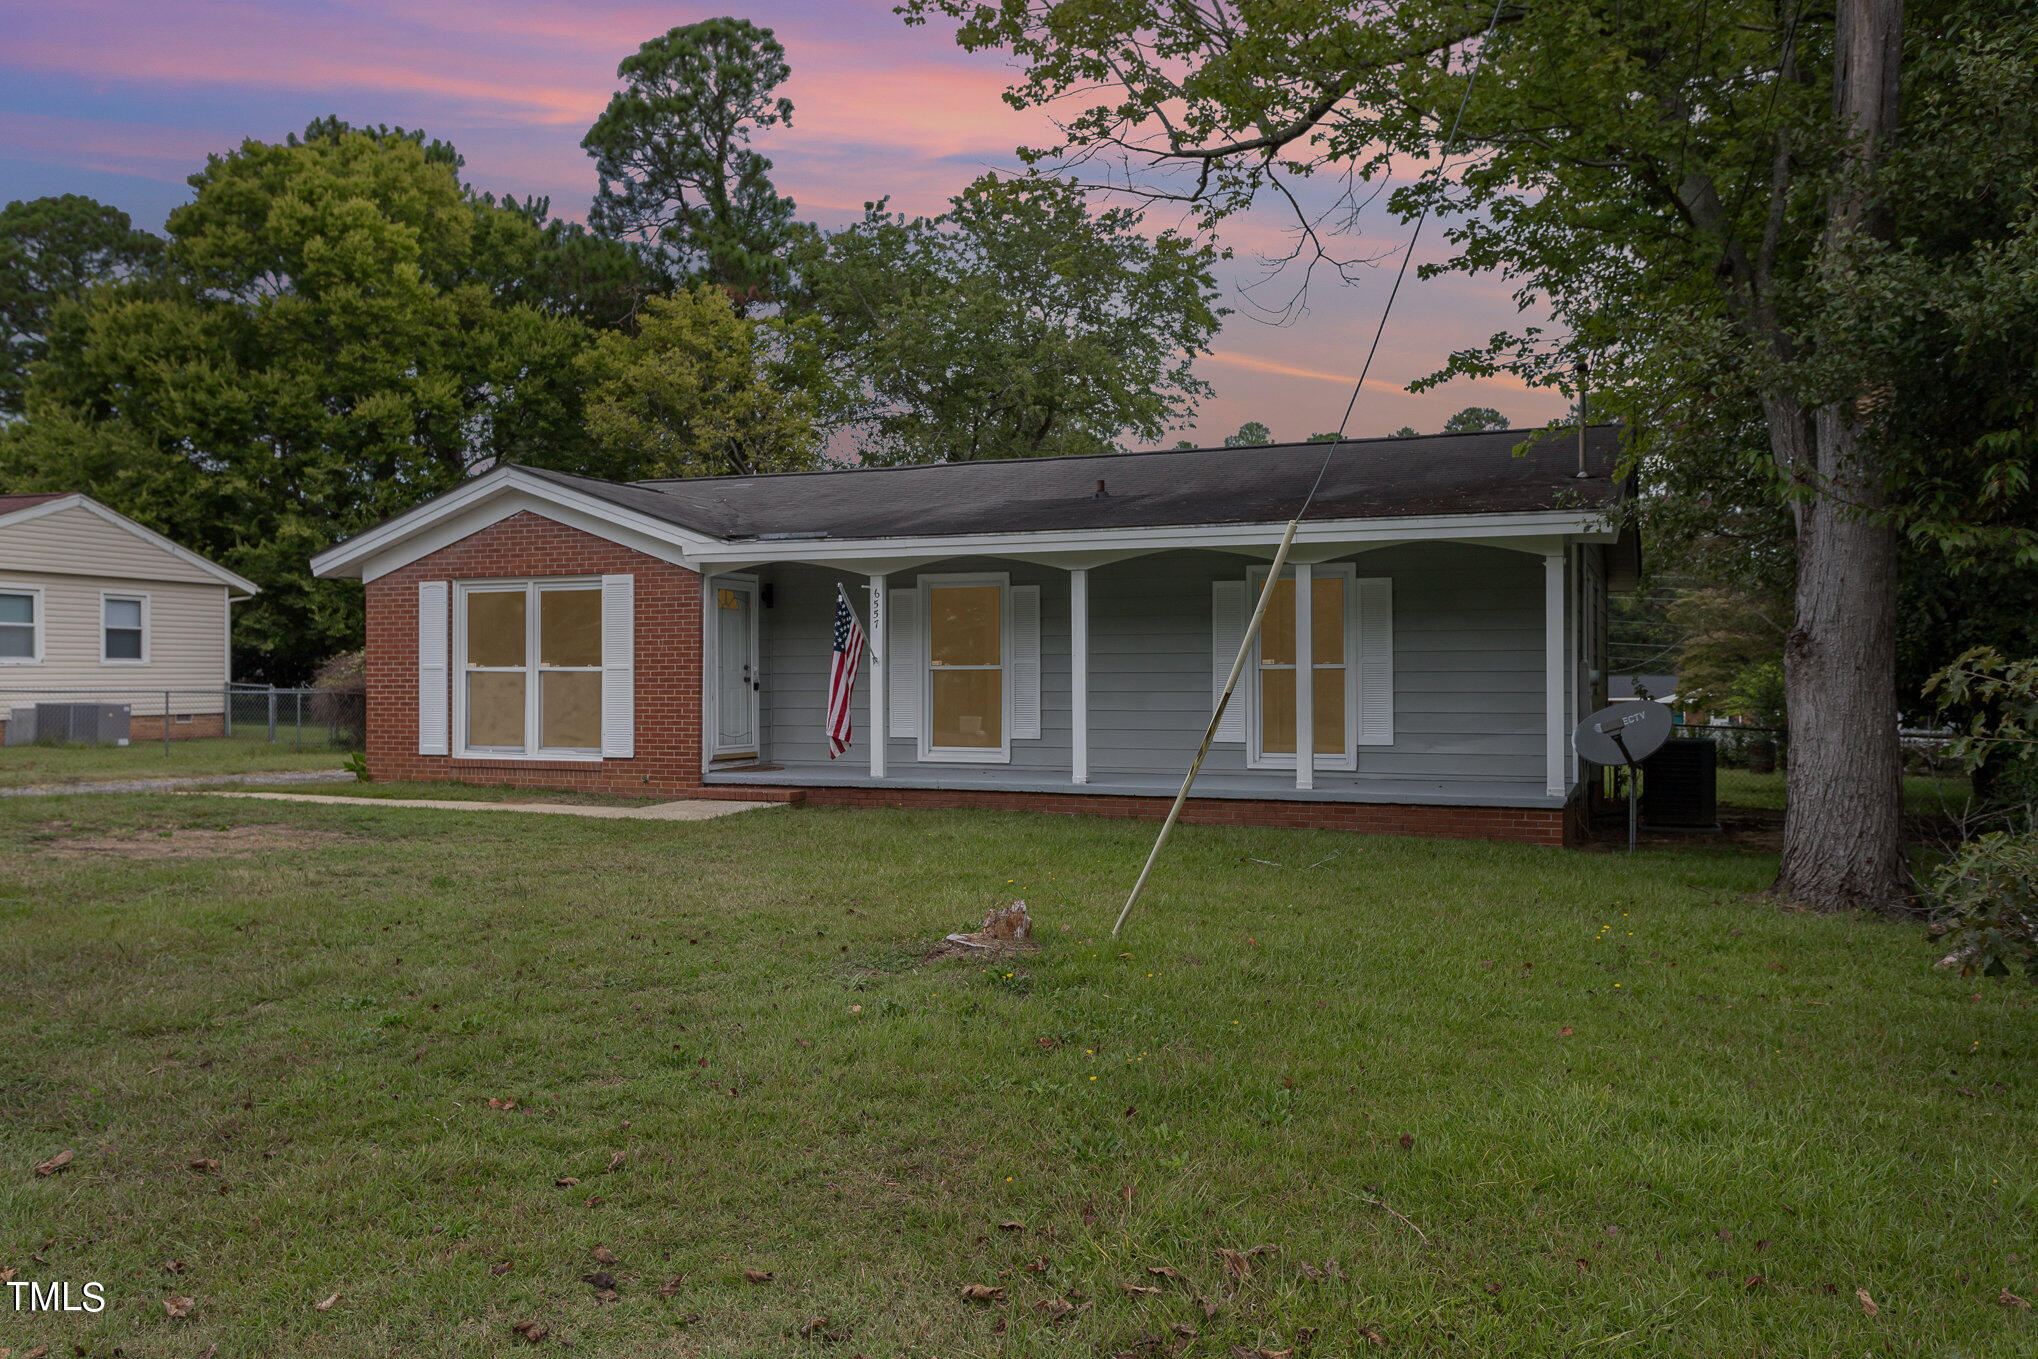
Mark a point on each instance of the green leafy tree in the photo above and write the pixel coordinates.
(51, 251)
(1329, 438)
(1018, 324)
(1714, 204)
(1406, 432)
(328, 343)
(698, 390)
(674, 156)
(1251, 434)
(1474, 419)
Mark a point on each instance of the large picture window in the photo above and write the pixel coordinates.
(1329, 671)
(20, 627)
(968, 714)
(531, 668)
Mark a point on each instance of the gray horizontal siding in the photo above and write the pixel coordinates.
(1468, 666)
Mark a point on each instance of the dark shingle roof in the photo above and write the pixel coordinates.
(1439, 474)
(10, 503)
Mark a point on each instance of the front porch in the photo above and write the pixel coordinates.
(1445, 674)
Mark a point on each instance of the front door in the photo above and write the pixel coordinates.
(736, 677)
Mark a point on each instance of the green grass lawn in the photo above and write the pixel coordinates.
(1481, 1099)
(1924, 795)
(29, 764)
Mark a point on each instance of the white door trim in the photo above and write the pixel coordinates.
(755, 746)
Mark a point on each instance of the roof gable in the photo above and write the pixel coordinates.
(73, 534)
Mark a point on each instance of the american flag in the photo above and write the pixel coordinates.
(842, 673)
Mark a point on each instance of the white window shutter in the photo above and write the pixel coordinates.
(1227, 631)
(1376, 661)
(434, 674)
(618, 667)
(1026, 662)
(902, 665)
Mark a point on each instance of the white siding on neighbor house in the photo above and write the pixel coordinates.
(186, 617)
(1467, 668)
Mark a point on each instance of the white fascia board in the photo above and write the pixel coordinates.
(409, 536)
(79, 501)
(1574, 524)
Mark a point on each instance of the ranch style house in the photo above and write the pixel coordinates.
(1043, 633)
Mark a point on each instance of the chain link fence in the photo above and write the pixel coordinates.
(325, 719)
(1751, 767)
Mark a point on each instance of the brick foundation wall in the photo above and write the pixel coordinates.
(1535, 825)
(199, 724)
(668, 655)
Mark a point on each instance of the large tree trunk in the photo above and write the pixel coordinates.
(1843, 835)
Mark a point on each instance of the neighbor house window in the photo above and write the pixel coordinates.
(531, 666)
(20, 627)
(1329, 670)
(968, 696)
(123, 635)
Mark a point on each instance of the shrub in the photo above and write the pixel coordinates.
(339, 700)
(1984, 902)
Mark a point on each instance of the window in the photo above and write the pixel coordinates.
(968, 713)
(20, 627)
(531, 662)
(123, 635)
(1329, 671)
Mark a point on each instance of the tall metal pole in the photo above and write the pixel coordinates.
(166, 723)
(1210, 733)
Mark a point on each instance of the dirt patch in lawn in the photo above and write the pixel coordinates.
(184, 842)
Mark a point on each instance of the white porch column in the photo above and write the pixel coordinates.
(880, 728)
(1079, 675)
(1305, 682)
(1555, 733)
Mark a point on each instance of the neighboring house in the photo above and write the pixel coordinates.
(92, 601)
(1046, 633)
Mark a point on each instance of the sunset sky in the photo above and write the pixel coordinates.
(121, 100)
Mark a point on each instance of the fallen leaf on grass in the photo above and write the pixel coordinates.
(1126, 1194)
(982, 1293)
(1210, 1309)
(1183, 1329)
(7, 1274)
(759, 1276)
(500, 1268)
(1369, 1333)
(173, 1266)
(1754, 1281)
(606, 1295)
(327, 1305)
(41, 1350)
(1139, 1290)
(505, 1104)
(1493, 1288)
(1035, 1266)
(1564, 1032)
(1310, 1272)
(1011, 1226)
(604, 1256)
(670, 1288)
(616, 1159)
(204, 1165)
(601, 1281)
(1276, 1354)
(819, 1323)
(179, 1307)
(532, 1330)
(56, 1162)
(1166, 1272)
(2008, 1299)
(1060, 1311)
(1407, 1140)
(1235, 1266)
(1867, 1303)
(567, 1181)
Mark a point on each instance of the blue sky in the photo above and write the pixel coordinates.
(122, 100)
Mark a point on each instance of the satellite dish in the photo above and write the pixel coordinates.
(1623, 733)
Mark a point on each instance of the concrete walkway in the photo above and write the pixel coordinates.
(698, 809)
(178, 785)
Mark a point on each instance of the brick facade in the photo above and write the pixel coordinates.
(668, 656)
(668, 710)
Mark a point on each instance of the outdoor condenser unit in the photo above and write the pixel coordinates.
(85, 724)
(1680, 786)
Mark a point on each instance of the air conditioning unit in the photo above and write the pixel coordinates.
(84, 724)
(1680, 786)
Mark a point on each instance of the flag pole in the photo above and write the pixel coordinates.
(1210, 734)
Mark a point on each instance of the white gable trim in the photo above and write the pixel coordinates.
(79, 501)
(488, 499)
